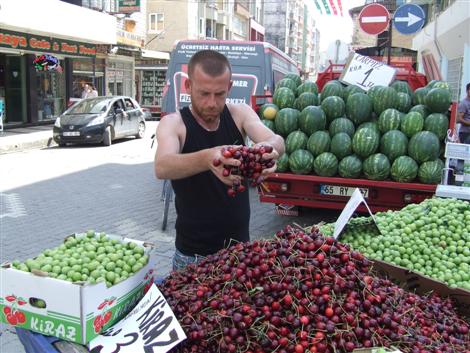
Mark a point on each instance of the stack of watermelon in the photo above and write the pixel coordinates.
(386, 133)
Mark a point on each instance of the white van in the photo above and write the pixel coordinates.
(256, 67)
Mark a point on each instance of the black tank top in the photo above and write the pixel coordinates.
(207, 218)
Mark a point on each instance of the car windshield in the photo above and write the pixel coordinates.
(90, 106)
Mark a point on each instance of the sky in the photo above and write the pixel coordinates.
(335, 27)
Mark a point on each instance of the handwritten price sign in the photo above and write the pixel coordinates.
(150, 328)
(366, 73)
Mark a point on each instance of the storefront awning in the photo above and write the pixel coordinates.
(154, 54)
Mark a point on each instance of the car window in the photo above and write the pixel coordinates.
(129, 104)
(118, 105)
(90, 106)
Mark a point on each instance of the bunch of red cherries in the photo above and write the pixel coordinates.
(251, 166)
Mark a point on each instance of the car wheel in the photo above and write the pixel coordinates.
(107, 137)
(141, 132)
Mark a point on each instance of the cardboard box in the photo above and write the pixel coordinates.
(421, 284)
(70, 310)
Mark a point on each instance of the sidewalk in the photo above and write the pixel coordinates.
(25, 138)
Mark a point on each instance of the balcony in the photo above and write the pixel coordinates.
(241, 10)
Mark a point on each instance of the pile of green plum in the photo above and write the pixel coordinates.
(432, 238)
(91, 258)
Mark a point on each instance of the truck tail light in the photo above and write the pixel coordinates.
(275, 187)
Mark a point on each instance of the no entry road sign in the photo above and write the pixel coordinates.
(374, 19)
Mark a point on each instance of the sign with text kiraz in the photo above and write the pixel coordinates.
(364, 72)
(356, 199)
(150, 328)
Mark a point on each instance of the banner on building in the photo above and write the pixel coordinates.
(129, 6)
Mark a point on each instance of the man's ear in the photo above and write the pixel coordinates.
(230, 85)
(187, 85)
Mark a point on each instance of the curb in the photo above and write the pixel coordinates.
(27, 145)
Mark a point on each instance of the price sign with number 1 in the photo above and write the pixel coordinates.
(365, 72)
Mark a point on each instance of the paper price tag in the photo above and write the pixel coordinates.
(366, 73)
(353, 203)
(150, 327)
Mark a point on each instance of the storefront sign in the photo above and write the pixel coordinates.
(150, 327)
(129, 38)
(128, 6)
(32, 42)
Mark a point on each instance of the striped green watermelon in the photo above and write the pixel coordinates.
(319, 142)
(294, 77)
(333, 107)
(365, 142)
(431, 84)
(370, 125)
(438, 100)
(421, 108)
(424, 146)
(284, 98)
(376, 167)
(350, 167)
(385, 98)
(437, 123)
(287, 120)
(286, 82)
(326, 164)
(301, 162)
(312, 119)
(341, 145)
(359, 108)
(393, 144)
(372, 92)
(441, 84)
(296, 140)
(431, 172)
(389, 119)
(282, 164)
(332, 88)
(268, 111)
(412, 123)
(404, 102)
(307, 86)
(402, 87)
(269, 124)
(404, 169)
(419, 96)
(341, 125)
(350, 90)
(304, 100)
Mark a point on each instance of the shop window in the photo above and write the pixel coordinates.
(156, 22)
(50, 94)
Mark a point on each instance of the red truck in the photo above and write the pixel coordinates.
(288, 190)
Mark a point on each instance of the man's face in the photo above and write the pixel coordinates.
(208, 93)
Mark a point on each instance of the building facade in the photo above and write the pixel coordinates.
(444, 44)
(291, 27)
(34, 94)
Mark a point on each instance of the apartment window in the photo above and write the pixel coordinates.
(201, 26)
(156, 22)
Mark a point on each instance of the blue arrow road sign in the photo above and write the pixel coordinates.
(409, 18)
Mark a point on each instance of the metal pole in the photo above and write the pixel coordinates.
(389, 46)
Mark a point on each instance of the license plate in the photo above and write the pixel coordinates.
(71, 133)
(341, 190)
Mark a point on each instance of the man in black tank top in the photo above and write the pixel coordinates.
(188, 143)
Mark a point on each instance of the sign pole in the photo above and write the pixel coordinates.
(389, 46)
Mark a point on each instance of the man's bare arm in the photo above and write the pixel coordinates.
(171, 164)
(461, 120)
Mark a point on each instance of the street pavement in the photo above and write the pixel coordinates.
(51, 192)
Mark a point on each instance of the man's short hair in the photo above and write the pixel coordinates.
(211, 62)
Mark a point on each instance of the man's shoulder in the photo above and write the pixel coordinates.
(238, 108)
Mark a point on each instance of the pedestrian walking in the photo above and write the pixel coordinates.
(188, 143)
(463, 117)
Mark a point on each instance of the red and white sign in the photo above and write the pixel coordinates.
(374, 19)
